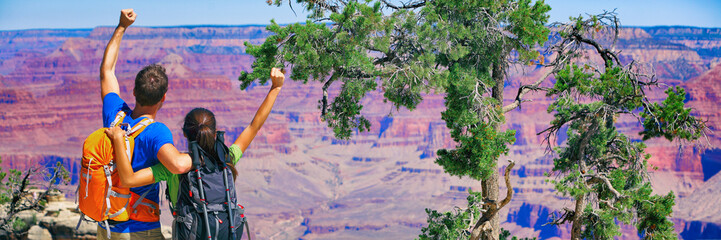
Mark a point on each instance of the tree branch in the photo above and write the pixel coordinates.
(609, 204)
(523, 90)
(595, 178)
(326, 6)
(17, 204)
(404, 5)
(566, 216)
(483, 224)
(324, 101)
(15, 200)
(509, 188)
(607, 55)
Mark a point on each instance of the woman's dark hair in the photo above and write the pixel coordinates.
(199, 126)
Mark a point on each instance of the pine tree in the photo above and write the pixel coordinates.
(602, 169)
(457, 47)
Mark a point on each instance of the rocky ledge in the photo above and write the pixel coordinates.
(57, 221)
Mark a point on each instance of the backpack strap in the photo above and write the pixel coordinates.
(195, 155)
(222, 152)
(118, 118)
(220, 147)
(220, 136)
(229, 203)
(139, 127)
(140, 200)
(115, 194)
(247, 230)
(134, 132)
(108, 172)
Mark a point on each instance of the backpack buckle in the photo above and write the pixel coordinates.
(124, 126)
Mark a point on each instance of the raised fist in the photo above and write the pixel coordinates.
(277, 76)
(127, 17)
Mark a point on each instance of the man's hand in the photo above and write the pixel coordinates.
(277, 76)
(127, 17)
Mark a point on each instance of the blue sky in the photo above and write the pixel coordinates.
(29, 14)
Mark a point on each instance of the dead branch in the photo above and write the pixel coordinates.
(326, 5)
(525, 89)
(606, 54)
(18, 201)
(483, 224)
(566, 216)
(410, 5)
(509, 189)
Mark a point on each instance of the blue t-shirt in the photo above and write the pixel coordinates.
(145, 154)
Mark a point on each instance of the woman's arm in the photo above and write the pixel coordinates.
(128, 178)
(277, 77)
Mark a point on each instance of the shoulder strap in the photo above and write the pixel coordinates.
(194, 153)
(220, 136)
(220, 147)
(134, 130)
(139, 127)
(118, 118)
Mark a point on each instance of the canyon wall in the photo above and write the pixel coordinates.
(296, 180)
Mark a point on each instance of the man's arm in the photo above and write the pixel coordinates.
(108, 81)
(173, 160)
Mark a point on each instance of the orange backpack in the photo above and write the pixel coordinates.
(100, 196)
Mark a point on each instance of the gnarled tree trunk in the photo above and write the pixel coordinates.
(490, 186)
(578, 217)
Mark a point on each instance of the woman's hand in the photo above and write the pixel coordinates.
(128, 178)
(115, 133)
(278, 77)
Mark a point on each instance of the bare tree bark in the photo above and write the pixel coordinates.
(581, 200)
(324, 101)
(490, 185)
(490, 194)
(577, 217)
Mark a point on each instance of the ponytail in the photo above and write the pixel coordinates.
(199, 126)
(206, 139)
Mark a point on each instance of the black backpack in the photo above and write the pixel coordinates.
(207, 207)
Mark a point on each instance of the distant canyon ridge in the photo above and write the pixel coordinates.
(296, 180)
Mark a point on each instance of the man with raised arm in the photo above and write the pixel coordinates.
(154, 144)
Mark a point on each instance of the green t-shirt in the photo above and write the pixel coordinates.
(160, 173)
